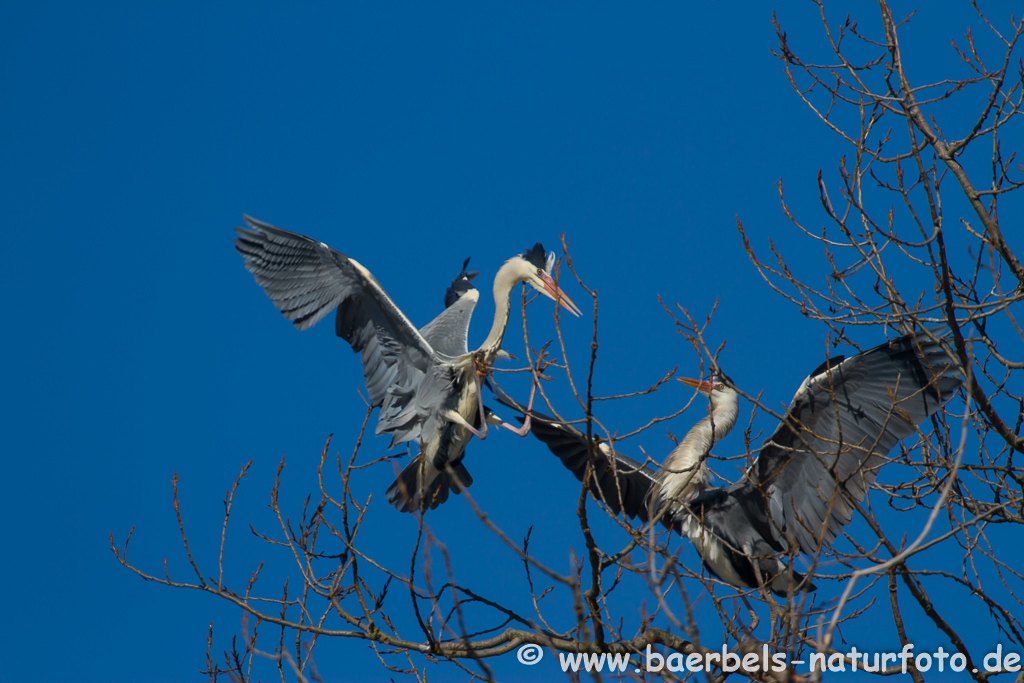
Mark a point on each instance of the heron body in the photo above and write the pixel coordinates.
(800, 492)
(425, 384)
(439, 468)
(448, 336)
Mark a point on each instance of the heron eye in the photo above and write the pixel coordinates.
(719, 386)
(540, 271)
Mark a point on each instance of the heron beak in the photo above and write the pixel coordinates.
(703, 387)
(549, 288)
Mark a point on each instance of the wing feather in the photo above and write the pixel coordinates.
(448, 333)
(306, 280)
(844, 419)
(625, 489)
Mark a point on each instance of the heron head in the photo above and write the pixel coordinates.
(535, 266)
(718, 388)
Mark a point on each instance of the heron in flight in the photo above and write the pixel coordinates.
(800, 491)
(427, 385)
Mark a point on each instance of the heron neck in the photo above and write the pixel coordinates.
(504, 281)
(685, 470)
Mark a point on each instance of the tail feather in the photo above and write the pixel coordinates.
(779, 579)
(406, 492)
(462, 479)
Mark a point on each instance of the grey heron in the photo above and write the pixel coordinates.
(427, 385)
(800, 491)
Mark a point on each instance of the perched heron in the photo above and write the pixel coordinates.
(800, 492)
(427, 385)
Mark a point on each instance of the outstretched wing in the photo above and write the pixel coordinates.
(306, 280)
(626, 488)
(448, 333)
(844, 418)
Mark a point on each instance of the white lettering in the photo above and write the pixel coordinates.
(998, 655)
(651, 657)
(905, 655)
(675, 662)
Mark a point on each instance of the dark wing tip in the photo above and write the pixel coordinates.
(460, 285)
(257, 224)
(827, 365)
(469, 275)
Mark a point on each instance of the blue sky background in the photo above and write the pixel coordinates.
(134, 136)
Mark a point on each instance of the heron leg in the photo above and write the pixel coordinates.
(525, 428)
(459, 419)
(775, 614)
(482, 432)
(774, 611)
(494, 419)
(754, 619)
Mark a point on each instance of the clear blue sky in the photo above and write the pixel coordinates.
(133, 138)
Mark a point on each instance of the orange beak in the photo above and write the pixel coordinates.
(703, 387)
(552, 290)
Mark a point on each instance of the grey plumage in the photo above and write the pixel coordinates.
(425, 384)
(800, 491)
(448, 333)
(306, 280)
(839, 426)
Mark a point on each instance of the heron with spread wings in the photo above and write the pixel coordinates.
(800, 491)
(426, 384)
